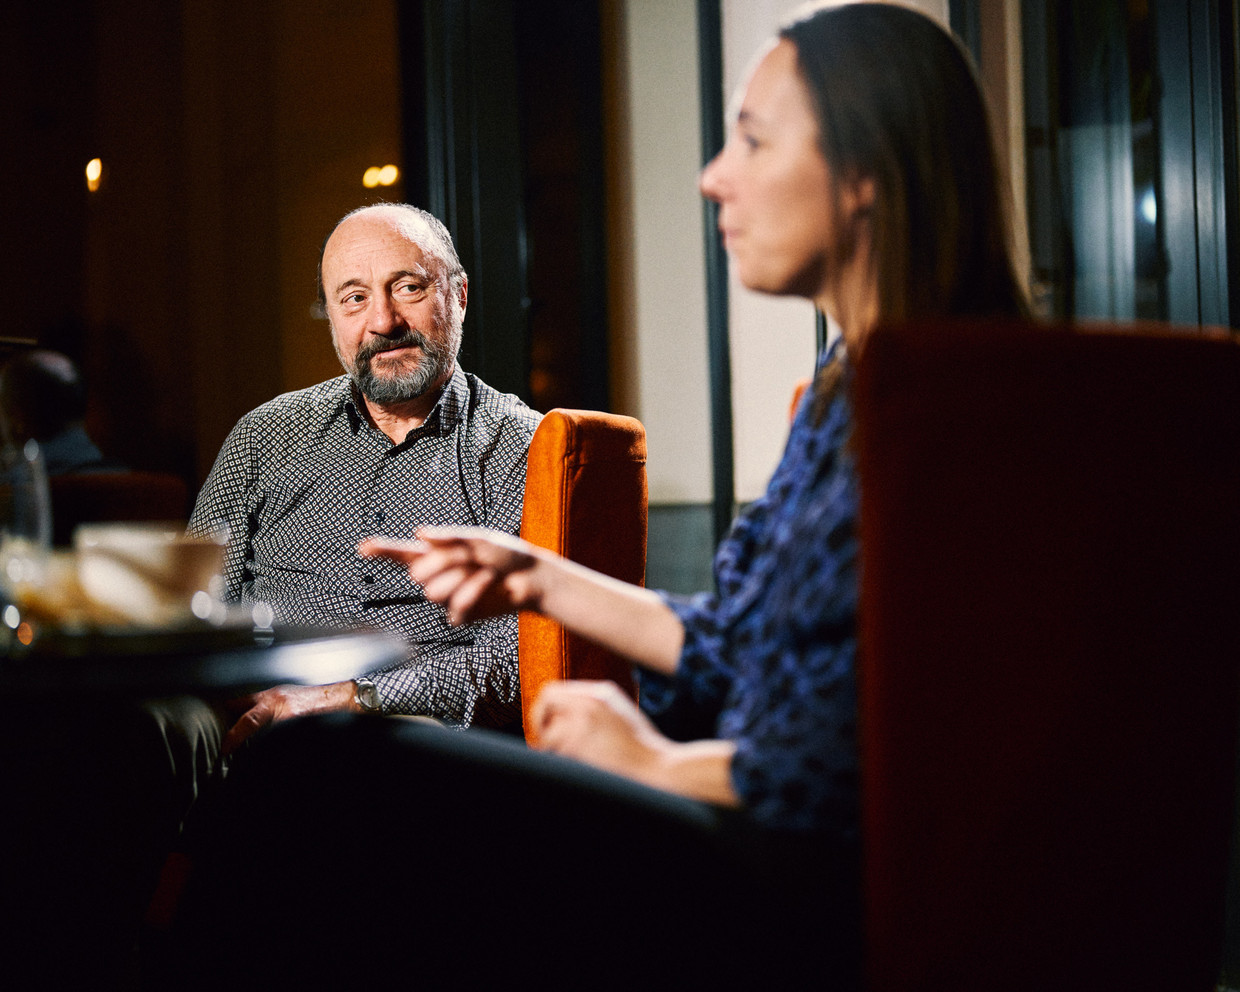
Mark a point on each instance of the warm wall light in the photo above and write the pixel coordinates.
(376, 176)
(94, 174)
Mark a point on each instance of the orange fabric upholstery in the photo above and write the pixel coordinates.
(1050, 639)
(585, 499)
(96, 497)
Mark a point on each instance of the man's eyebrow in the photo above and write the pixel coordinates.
(391, 277)
(346, 284)
(418, 273)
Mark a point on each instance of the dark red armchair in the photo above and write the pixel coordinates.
(1050, 643)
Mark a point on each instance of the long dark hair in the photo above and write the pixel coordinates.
(898, 102)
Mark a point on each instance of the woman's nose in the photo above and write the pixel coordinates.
(710, 179)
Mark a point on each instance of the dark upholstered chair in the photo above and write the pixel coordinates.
(1050, 639)
(96, 497)
(585, 499)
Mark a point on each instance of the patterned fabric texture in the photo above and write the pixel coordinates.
(303, 478)
(769, 659)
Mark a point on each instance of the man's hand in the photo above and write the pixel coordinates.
(284, 702)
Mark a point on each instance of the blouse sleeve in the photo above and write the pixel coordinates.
(685, 705)
(771, 658)
(793, 709)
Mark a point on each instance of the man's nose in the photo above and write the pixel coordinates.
(385, 317)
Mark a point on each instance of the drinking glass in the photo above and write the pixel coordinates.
(25, 534)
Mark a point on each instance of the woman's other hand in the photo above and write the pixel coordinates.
(597, 723)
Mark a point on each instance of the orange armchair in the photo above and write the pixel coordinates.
(1049, 654)
(585, 499)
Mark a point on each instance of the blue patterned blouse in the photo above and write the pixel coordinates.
(768, 661)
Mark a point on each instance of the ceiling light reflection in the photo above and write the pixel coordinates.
(380, 176)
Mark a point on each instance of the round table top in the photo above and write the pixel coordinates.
(207, 660)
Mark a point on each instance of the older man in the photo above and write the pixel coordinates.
(405, 438)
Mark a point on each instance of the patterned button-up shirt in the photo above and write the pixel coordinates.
(768, 661)
(303, 478)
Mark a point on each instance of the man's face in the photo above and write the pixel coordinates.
(395, 320)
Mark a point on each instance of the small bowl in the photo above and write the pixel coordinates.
(149, 573)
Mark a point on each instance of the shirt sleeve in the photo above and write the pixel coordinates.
(465, 684)
(223, 502)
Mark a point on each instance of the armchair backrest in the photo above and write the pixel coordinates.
(1050, 643)
(585, 499)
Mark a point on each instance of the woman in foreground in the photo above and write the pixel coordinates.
(712, 835)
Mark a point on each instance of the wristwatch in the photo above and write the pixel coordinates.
(366, 695)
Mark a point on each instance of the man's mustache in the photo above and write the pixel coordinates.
(409, 339)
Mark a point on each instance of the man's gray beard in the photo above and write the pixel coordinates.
(398, 386)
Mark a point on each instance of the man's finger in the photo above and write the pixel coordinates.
(250, 722)
(239, 704)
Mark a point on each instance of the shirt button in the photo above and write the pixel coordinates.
(378, 517)
(368, 578)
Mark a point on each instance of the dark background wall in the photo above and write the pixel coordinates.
(233, 136)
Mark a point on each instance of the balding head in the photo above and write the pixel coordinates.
(424, 229)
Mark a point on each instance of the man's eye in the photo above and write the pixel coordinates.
(354, 298)
(410, 289)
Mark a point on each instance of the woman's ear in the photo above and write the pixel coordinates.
(857, 196)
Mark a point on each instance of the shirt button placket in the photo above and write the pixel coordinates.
(373, 521)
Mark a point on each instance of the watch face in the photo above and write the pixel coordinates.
(368, 696)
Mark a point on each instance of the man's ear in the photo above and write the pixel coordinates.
(464, 293)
